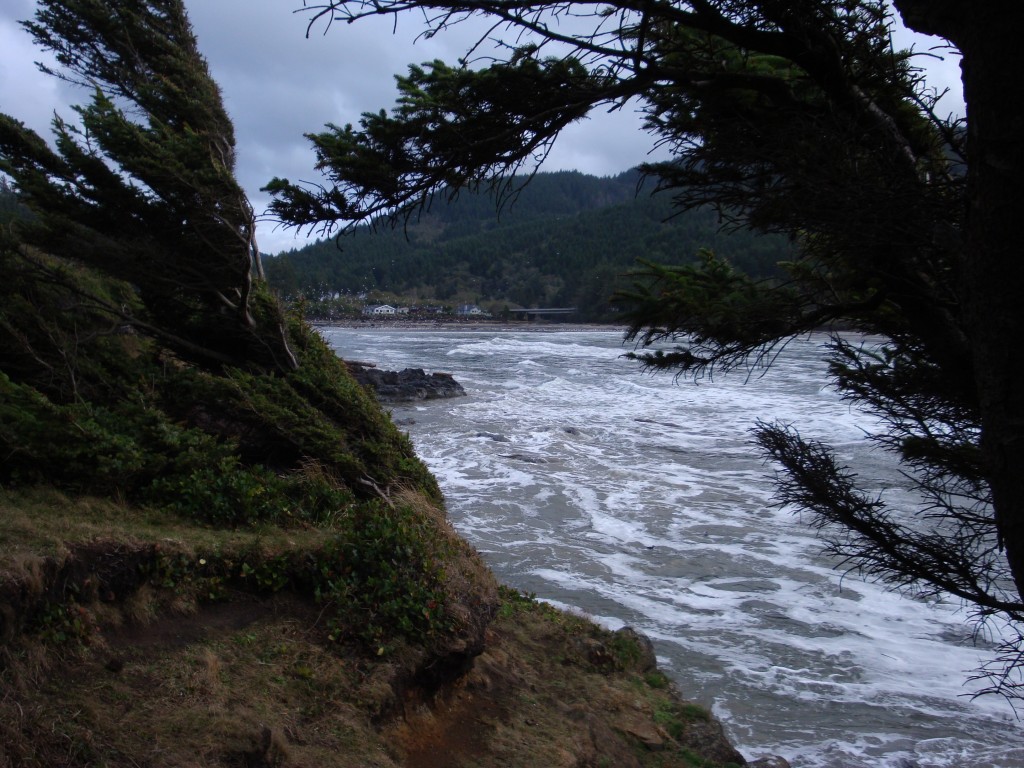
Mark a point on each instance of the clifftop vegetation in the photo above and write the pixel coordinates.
(215, 547)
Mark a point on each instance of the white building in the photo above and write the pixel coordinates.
(379, 309)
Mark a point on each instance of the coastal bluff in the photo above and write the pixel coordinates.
(102, 664)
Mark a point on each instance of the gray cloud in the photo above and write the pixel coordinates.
(25, 93)
(279, 84)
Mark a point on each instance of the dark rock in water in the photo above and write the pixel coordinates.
(407, 386)
(658, 423)
(524, 457)
(493, 436)
(772, 761)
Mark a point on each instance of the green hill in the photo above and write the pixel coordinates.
(227, 567)
(567, 239)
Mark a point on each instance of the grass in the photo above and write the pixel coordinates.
(39, 521)
(349, 565)
(206, 702)
(568, 681)
(131, 634)
(167, 676)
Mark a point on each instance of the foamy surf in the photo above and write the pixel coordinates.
(640, 501)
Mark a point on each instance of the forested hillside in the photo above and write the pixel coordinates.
(568, 239)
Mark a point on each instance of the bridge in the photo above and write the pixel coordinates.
(533, 314)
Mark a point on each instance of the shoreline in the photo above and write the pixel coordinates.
(452, 324)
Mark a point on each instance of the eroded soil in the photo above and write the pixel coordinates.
(255, 682)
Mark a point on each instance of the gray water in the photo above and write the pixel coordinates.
(638, 500)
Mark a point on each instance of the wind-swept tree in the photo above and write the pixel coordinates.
(141, 354)
(142, 186)
(790, 117)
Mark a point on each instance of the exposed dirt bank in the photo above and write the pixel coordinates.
(129, 672)
(252, 682)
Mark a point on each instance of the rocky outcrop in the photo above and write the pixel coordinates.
(406, 386)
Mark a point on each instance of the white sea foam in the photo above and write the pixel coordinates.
(644, 502)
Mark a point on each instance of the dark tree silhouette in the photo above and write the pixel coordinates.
(142, 186)
(797, 118)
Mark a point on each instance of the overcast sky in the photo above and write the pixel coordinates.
(279, 84)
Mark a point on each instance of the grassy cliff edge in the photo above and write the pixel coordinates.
(216, 565)
(129, 639)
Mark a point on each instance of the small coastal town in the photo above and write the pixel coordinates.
(387, 310)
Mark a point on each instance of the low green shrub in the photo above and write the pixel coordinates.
(383, 576)
(225, 494)
(656, 679)
(380, 576)
(77, 446)
(513, 600)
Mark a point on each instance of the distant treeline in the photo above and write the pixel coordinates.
(567, 239)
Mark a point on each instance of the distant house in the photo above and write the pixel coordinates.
(379, 309)
(470, 310)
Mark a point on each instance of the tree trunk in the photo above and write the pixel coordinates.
(994, 93)
(987, 34)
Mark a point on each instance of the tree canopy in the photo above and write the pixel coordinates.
(798, 118)
(142, 185)
(141, 353)
(142, 356)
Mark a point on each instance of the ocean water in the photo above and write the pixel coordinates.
(640, 500)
